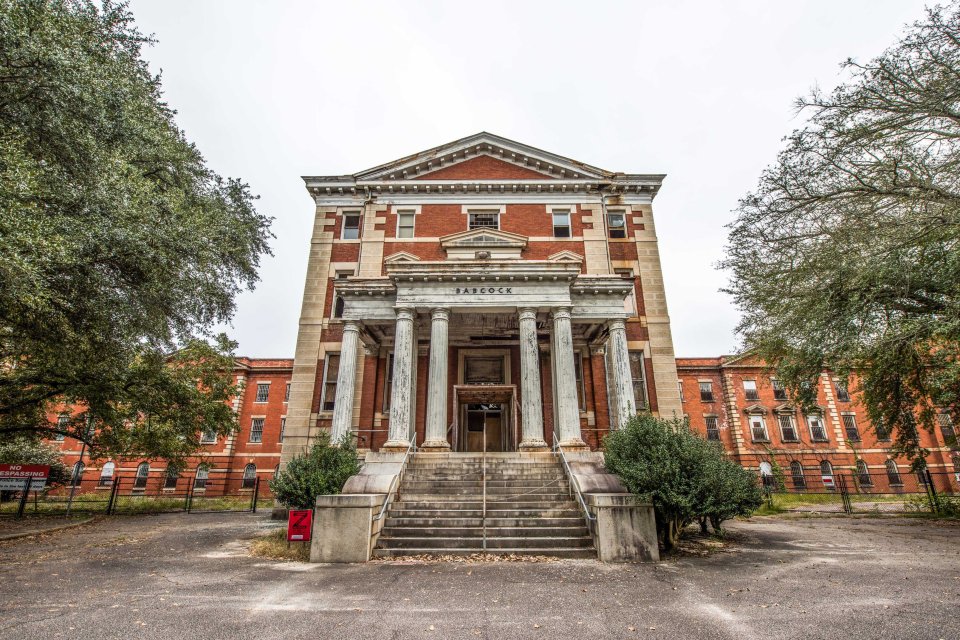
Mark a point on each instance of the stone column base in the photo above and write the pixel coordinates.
(574, 445)
(534, 445)
(395, 448)
(435, 446)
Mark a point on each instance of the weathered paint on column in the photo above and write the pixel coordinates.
(531, 408)
(626, 406)
(401, 401)
(568, 413)
(346, 381)
(436, 427)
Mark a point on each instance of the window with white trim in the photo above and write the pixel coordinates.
(209, 436)
(483, 220)
(561, 223)
(249, 477)
(256, 430)
(863, 474)
(203, 473)
(405, 224)
(263, 392)
(680, 388)
(351, 226)
(850, 427)
(779, 392)
(706, 391)
(750, 390)
(788, 428)
(758, 429)
(62, 423)
(946, 428)
(338, 302)
(893, 473)
(143, 473)
(818, 433)
(638, 373)
(843, 395)
(106, 474)
(616, 224)
(77, 476)
(766, 474)
(331, 367)
(796, 474)
(713, 427)
(171, 477)
(826, 473)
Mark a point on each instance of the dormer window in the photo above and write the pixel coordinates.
(483, 220)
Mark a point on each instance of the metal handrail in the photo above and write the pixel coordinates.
(396, 479)
(573, 481)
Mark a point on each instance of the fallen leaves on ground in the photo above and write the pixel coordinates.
(473, 558)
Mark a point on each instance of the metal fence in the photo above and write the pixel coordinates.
(155, 493)
(853, 492)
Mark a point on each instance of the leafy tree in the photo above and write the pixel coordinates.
(321, 471)
(846, 255)
(685, 476)
(118, 245)
(25, 450)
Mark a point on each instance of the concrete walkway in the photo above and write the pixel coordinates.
(188, 576)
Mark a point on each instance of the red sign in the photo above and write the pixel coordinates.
(299, 525)
(13, 476)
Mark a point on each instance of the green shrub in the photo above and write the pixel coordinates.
(686, 477)
(321, 471)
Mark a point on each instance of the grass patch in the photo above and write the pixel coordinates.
(274, 545)
(52, 505)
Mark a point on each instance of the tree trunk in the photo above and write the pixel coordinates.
(715, 522)
(703, 525)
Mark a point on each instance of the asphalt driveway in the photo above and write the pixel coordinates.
(190, 576)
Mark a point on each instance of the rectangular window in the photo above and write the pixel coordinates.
(483, 220)
(256, 430)
(283, 427)
(842, 394)
(788, 429)
(617, 224)
(351, 226)
(208, 437)
(388, 383)
(706, 392)
(62, 422)
(883, 434)
(170, 480)
(758, 429)
(750, 390)
(630, 301)
(578, 374)
(779, 393)
(638, 373)
(561, 224)
(331, 368)
(680, 387)
(286, 393)
(263, 392)
(946, 428)
(405, 220)
(817, 431)
(850, 428)
(713, 427)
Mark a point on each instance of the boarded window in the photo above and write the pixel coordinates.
(483, 370)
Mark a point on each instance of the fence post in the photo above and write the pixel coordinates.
(112, 500)
(190, 495)
(256, 494)
(932, 492)
(844, 494)
(24, 497)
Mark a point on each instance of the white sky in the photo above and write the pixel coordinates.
(701, 91)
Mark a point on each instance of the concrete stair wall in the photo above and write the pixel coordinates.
(440, 508)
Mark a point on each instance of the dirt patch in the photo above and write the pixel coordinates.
(274, 546)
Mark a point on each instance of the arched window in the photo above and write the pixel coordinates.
(893, 474)
(106, 474)
(143, 472)
(863, 474)
(170, 481)
(796, 473)
(826, 474)
(276, 471)
(77, 474)
(766, 474)
(200, 482)
(249, 476)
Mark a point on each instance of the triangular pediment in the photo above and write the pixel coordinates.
(785, 409)
(401, 256)
(566, 256)
(755, 409)
(478, 238)
(484, 156)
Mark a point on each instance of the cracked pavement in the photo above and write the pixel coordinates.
(179, 575)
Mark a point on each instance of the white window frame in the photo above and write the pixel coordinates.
(251, 478)
(343, 224)
(62, 420)
(256, 398)
(709, 384)
(818, 419)
(481, 211)
(327, 382)
(793, 425)
(642, 382)
(763, 424)
(208, 436)
(747, 392)
(106, 473)
(846, 431)
(413, 223)
(623, 216)
(145, 477)
(561, 211)
(774, 384)
(253, 422)
(200, 477)
(716, 428)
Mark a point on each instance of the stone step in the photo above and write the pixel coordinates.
(491, 532)
(477, 475)
(477, 521)
(457, 542)
(430, 512)
(570, 554)
(491, 481)
(491, 493)
(437, 501)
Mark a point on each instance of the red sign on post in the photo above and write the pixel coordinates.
(13, 476)
(300, 525)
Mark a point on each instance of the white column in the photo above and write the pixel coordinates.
(346, 382)
(565, 402)
(436, 428)
(400, 397)
(626, 406)
(531, 408)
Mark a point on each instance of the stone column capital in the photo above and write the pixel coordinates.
(406, 313)
(598, 349)
(371, 349)
(351, 325)
(560, 313)
(527, 313)
(440, 314)
(616, 324)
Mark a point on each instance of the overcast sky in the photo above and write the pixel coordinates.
(701, 91)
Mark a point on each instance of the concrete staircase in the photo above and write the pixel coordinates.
(440, 508)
